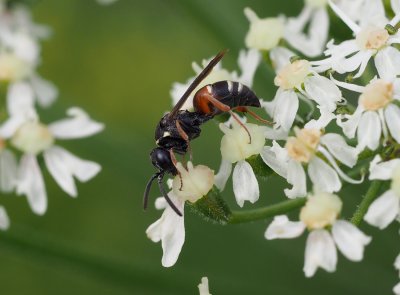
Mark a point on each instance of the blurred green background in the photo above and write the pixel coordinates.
(119, 62)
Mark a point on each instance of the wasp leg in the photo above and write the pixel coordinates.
(165, 195)
(219, 105)
(254, 115)
(175, 162)
(241, 124)
(185, 137)
(147, 190)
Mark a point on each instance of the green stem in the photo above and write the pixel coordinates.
(266, 212)
(369, 197)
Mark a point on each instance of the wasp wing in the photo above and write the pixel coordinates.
(196, 82)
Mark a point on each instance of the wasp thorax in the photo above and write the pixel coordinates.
(321, 210)
(236, 144)
(378, 94)
(33, 138)
(395, 185)
(193, 183)
(12, 68)
(302, 147)
(316, 3)
(372, 38)
(292, 75)
(264, 34)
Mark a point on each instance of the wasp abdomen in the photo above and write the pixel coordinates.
(232, 94)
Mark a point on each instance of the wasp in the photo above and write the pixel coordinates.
(177, 128)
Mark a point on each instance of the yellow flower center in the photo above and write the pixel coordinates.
(12, 68)
(372, 38)
(302, 147)
(293, 74)
(378, 94)
(321, 210)
(395, 185)
(33, 138)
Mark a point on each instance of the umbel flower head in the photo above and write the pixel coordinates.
(236, 146)
(320, 217)
(310, 148)
(191, 184)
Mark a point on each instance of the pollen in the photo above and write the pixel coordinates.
(292, 75)
(377, 95)
(372, 38)
(302, 147)
(321, 210)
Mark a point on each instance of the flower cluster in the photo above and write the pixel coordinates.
(24, 138)
(328, 127)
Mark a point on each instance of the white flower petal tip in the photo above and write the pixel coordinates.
(30, 183)
(63, 166)
(320, 252)
(170, 230)
(350, 240)
(245, 184)
(223, 174)
(203, 287)
(4, 219)
(78, 126)
(382, 170)
(282, 228)
(383, 210)
(193, 182)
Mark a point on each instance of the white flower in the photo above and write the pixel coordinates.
(106, 2)
(376, 113)
(305, 149)
(4, 219)
(248, 62)
(371, 40)
(386, 207)
(396, 289)
(203, 286)
(236, 148)
(33, 138)
(191, 185)
(297, 80)
(318, 215)
(315, 15)
(264, 34)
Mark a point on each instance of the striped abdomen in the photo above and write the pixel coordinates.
(232, 94)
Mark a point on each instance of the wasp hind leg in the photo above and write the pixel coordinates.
(254, 115)
(234, 116)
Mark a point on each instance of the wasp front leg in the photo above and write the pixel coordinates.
(175, 162)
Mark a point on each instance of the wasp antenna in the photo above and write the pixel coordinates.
(147, 190)
(165, 195)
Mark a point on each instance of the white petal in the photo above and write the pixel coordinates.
(387, 63)
(392, 116)
(8, 171)
(296, 177)
(350, 240)
(46, 91)
(345, 18)
(276, 163)
(280, 57)
(245, 185)
(20, 98)
(286, 108)
(349, 86)
(4, 219)
(323, 176)
(350, 126)
(323, 91)
(325, 118)
(248, 63)
(282, 228)
(78, 126)
(276, 134)
(382, 170)
(338, 147)
(320, 252)
(383, 210)
(30, 183)
(396, 289)
(395, 6)
(170, 229)
(223, 174)
(369, 131)
(63, 166)
(203, 287)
